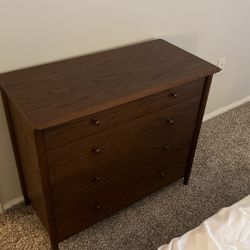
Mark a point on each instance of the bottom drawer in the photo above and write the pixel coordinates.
(77, 215)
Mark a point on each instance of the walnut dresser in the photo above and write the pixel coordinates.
(95, 133)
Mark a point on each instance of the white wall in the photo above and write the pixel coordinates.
(34, 32)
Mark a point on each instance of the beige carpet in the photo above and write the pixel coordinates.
(220, 177)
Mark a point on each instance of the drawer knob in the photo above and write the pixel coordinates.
(97, 206)
(170, 121)
(165, 147)
(97, 178)
(174, 95)
(96, 122)
(97, 150)
(162, 174)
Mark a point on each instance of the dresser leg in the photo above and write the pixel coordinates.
(54, 245)
(206, 88)
(27, 201)
(185, 180)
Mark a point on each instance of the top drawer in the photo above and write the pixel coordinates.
(106, 119)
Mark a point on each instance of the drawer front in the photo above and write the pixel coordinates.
(76, 169)
(104, 120)
(79, 214)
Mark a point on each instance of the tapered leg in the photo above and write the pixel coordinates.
(206, 88)
(27, 201)
(185, 180)
(54, 244)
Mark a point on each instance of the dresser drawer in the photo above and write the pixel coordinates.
(120, 192)
(76, 169)
(101, 121)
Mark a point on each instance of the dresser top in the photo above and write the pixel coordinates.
(59, 92)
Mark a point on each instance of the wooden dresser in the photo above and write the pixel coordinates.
(94, 134)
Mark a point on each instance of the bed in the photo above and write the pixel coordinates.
(229, 229)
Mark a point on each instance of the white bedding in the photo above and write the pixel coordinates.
(229, 229)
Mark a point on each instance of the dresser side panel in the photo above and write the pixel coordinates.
(25, 140)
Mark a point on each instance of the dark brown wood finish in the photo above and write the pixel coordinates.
(118, 193)
(46, 187)
(95, 133)
(58, 136)
(203, 103)
(33, 159)
(73, 167)
(53, 94)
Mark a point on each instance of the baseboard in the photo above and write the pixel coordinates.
(12, 203)
(226, 108)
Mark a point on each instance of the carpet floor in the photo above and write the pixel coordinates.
(220, 177)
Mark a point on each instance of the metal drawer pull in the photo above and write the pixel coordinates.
(97, 178)
(97, 206)
(174, 95)
(170, 121)
(162, 174)
(165, 147)
(97, 150)
(96, 122)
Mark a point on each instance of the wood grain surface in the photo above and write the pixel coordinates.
(74, 166)
(95, 133)
(81, 128)
(119, 193)
(58, 92)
